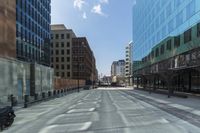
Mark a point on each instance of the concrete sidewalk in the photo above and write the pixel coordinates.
(191, 103)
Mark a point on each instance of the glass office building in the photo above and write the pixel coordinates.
(33, 30)
(155, 20)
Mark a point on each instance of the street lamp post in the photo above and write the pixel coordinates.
(78, 74)
(78, 64)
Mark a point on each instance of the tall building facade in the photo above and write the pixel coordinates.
(118, 68)
(33, 31)
(113, 68)
(128, 64)
(155, 20)
(7, 28)
(83, 61)
(61, 50)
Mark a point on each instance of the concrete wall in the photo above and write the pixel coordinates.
(15, 78)
(43, 78)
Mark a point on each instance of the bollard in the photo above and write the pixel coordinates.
(12, 100)
(43, 95)
(65, 91)
(26, 100)
(62, 92)
(49, 93)
(54, 93)
(58, 93)
(36, 97)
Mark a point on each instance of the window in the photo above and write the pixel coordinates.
(26, 49)
(68, 44)
(171, 26)
(163, 31)
(68, 36)
(190, 9)
(51, 36)
(68, 59)
(57, 36)
(51, 59)
(68, 74)
(68, 67)
(52, 45)
(179, 19)
(62, 59)
(149, 57)
(63, 74)
(162, 49)
(177, 41)
(158, 6)
(169, 10)
(68, 51)
(62, 44)
(157, 22)
(57, 74)
(177, 3)
(57, 52)
(152, 54)
(62, 52)
(57, 44)
(57, 59)
(157, 52)
(198, 30)
(169, 44)
(57, 66)
(62, 36)
(63, 66)
(162, 17)
(187, 36)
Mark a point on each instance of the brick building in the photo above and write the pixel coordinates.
(83, 60)
(7, 28)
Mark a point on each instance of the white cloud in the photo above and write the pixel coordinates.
(134, 2)
(104, 1)
(97, 9)
(84, 15)
(79, 4)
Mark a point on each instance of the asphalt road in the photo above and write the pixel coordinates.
(106, 111)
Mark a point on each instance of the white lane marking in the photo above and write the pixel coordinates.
(72, 106)
(156, 121)
(182, 107)
(196, 112)
(86, 126)
(161, 101)
(75, 127)
(55, 119)
(91, 109)
(81, 110)
(47, 129)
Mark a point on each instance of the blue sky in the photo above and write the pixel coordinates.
(107, 24)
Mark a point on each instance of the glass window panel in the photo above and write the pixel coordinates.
(169, 10)
(190, 9)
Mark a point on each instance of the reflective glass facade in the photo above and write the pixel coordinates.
(33, 30)
(155, 20)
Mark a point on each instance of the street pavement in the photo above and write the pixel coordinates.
(110, 110)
